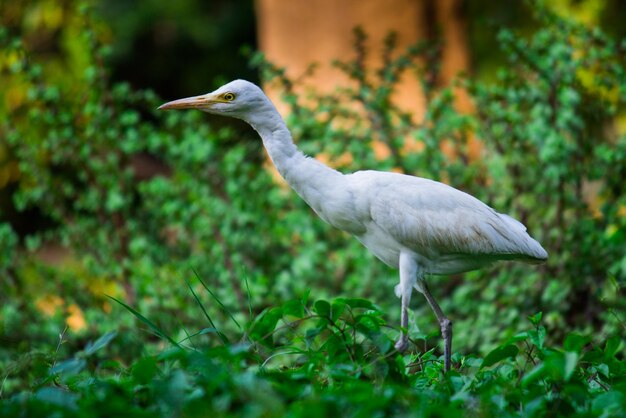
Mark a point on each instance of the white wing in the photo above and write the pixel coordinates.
(436, 220)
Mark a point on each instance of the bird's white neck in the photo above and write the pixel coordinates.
(307, 176)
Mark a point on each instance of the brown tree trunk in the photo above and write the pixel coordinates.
(296, 33)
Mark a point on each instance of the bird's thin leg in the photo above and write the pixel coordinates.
(444, 323)
(408, 278)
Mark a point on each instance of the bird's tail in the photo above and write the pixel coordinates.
(532, 251)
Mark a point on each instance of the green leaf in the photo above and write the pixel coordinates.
(322, 308)
(204, 331)
(603, 369)
(536, 373)
(58, 397)
(334, 346)
(381, 341)
(264, 324)
(337, 308)
(69, 367)
(537, 336)
(520, 336)
(575, 342)
(144, 370)
(609, 404)
(611, 346)
(305, 297)
(311, 333)
(370, 322)
(101, 342)
(499, 354)
(293, 307)
(536, 318)
(571, 361)
(472, 362)
(358, 303)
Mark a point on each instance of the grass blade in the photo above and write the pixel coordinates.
(245, 279)
(186, 338)
(216, 298)
(206, 314)
(201, 332)
(146, 321)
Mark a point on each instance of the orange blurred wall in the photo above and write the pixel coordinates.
(296, 33)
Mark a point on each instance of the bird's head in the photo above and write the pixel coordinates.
(237, 99)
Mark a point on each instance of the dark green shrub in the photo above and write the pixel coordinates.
(305, 358)
(552, 121)
(553, 157)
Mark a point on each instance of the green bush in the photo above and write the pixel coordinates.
(144, 202)
(324, 358)
(552, 121)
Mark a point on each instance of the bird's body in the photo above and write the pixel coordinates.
(445, 230)
(417, 225)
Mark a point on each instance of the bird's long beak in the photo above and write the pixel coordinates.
(195, 102)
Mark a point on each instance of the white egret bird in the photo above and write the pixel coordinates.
(417, 225)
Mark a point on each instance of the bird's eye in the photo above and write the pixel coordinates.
(229, 97)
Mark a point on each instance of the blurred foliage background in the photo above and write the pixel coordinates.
(102, 195)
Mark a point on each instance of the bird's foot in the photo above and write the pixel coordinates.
(402, 344)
